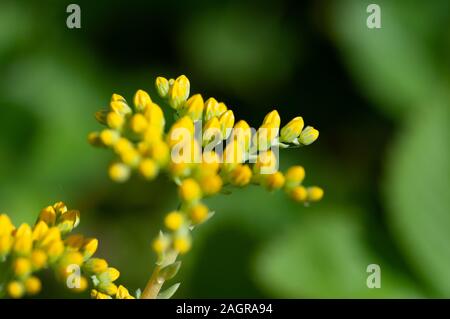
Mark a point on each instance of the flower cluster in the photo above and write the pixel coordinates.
(203, 151)
(27, 250)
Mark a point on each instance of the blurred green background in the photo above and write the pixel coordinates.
(380, 99)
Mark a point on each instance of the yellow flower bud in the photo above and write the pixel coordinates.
(272, 118)
(21, 267)
(314, 193)
(155, 117)
(94, 139)
(120, 107)
(274, 181)
(160, 153)
(130, 157)
(194, 107)
(179, 92)
(265, 136)
(123, 145)
(212, 132)
(292, 130)
(241, 175)
(83, 285)
(95, 265)
(182, 244)
(108, 288)
(69, 220)
(148, 168)
(181, 131)
(70, 258)
(294, 176)
(48, 215)
(89, 247)
(119, 172)
(179, 169)
(55, 250)
(198, 213)
(117, 98)
(299, 194)
(115, 121)
(174, 220)
(266, 163)
(23, 240)
(138, 123)
(38, 259)
(6, 242)
(226, 123)
(23, 230)
(60, 208)
(15, 289)
(211, 184)
(233, 154)
(160, 244)
(242, 133)
(220, 109)
(40, 229)
(53, 234)
(141, 99)
(109, 137)
(32, 285)
(308, 135)
(6, 227)
(189, 190)
(162, 86)
(211, 109)
(109, 275)
(210, 163)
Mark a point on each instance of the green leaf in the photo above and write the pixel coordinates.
(169, 292)
(170, 271)
(418, 192)
(325, 256)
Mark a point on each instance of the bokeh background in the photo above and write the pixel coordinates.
(380, 99)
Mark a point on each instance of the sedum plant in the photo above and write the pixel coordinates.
(205, 152)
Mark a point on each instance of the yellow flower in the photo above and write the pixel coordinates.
(266, 163)
(69, 221)
(89, 247)
(115, 120)
(308, 135)
(40, 229)
(233, 154)
(23, 240)
(117, 98)
(226, 121)
(182, 244)
(212, 132)
(210, 163)
(272, 118)
(198, 213)
(294, 176)
(141, 99)
(160, 153)
(15, 289)
(120, 107)
(6, 242)
(138, 123)
(6, 227)
(210, 184)
(98, 295)
(162, 86)
(119, 172)
(38, 259)
(189, 190)
(181, 130)
(148, 168)
(274, 181)
(265, 136)
(33, 285)
(242, 133)
(53, 234)
(211, 109)
(54, 250)
(24, 230)
(174, 220)
(179, 92)
(299, 194)
(83, 285)
(21, 267)
(155, 117)
(95, 265)
(292, 130)
(74, 242)
(194, 107)
(160, 244)
(314, 193)
(109, 137)
(241, 175)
